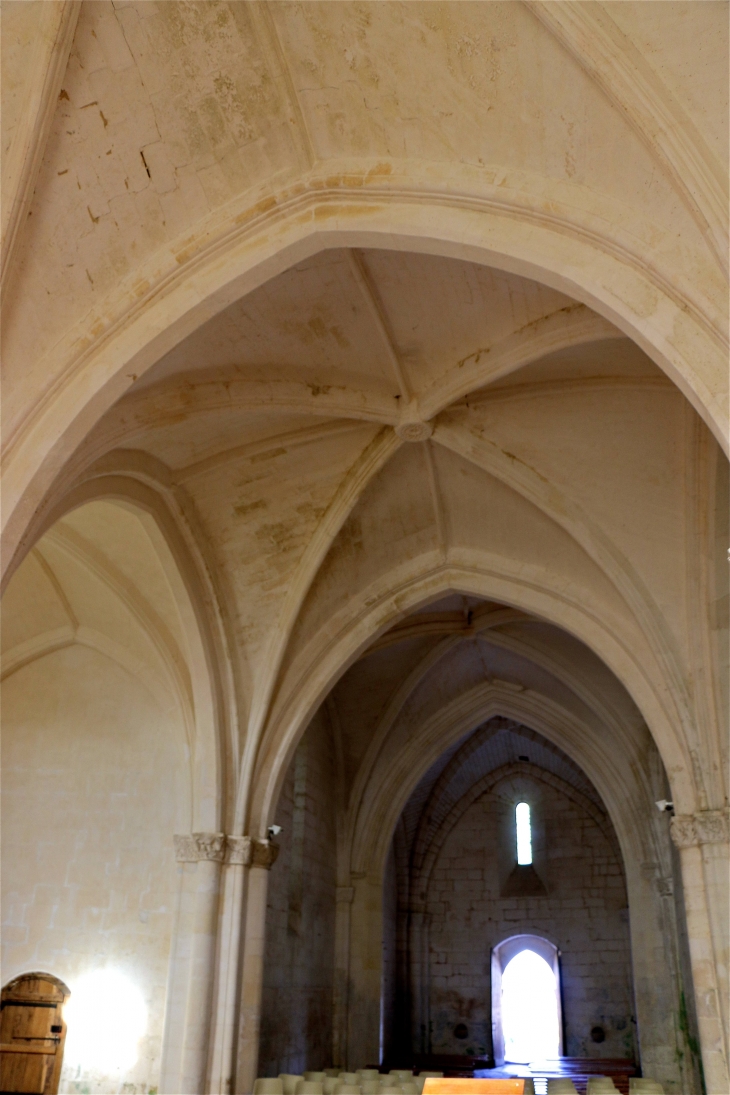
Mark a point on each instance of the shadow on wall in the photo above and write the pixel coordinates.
(296, 1015)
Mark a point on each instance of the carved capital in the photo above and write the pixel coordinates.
(194, 847)
(263, 853)
(234, 850)
(239, 850)
(705, 827)
(713, 826)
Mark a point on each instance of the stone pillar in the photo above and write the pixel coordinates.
(192, 964)
(419, 952)
(366, 965)
(703, 840)
(657, 979)
(344, 896)
(221, 1063)
(263, 855)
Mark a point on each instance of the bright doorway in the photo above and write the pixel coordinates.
(526, 1014)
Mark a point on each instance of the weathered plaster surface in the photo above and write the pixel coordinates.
(263, 248)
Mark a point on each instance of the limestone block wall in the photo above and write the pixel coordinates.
(584, 912)
(296, 1014)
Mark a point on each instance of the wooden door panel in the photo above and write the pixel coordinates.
(32, 1035)
(24, 1072)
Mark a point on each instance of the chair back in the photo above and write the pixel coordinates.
(310, 1087)
(290, 1081)
(268, 1086)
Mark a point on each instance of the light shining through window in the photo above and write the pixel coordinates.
(106, 1018)
(529, 1009)
(524, 834)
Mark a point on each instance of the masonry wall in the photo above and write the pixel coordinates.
(296, 1015)
(390, 958)
(584, 912)
(94, 787)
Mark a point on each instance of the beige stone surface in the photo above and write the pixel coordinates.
(96, 767)
(367, 359)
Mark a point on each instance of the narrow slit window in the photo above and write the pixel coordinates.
(524, 833)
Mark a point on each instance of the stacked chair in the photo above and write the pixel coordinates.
(332, 1081)
(400, 1081)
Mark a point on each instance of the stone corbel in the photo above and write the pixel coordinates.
(218, 848)
(705, 827)
(263, 853)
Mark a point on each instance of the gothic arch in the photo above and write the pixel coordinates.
(329, 654)
(366, 205)
(211, 703)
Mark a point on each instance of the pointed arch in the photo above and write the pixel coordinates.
(497, 218)
(212, 696)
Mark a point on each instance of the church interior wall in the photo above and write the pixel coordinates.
(296, 1020)
(364, 381)
(584, 912)
(96, 781)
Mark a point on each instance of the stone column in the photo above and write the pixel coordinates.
(420, 979)
(221, 1062)
(366, 967)
(656, 974)
(263, 855)
(703, 840)
(192, 964)
(344, 896)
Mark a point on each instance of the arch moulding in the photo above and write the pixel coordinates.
(350, 632)
(377, 818)
(546, 230)
(213, 748)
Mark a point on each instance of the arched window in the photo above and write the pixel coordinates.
(523, 827)
(526, 1017)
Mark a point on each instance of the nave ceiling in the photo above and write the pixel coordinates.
(179, 157)
(367, 363)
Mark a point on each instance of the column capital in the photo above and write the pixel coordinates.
(194, 847)
(704, 827)
(237, 851)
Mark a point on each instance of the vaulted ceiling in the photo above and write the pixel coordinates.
(380, 302)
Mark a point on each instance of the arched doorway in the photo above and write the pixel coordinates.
(526, 1009)
(32, 1033)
